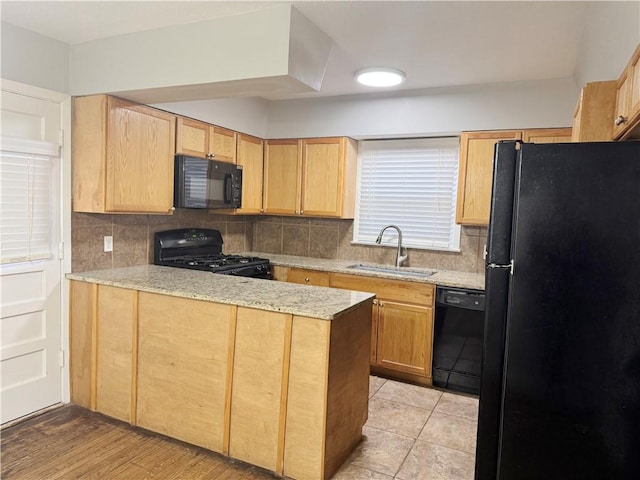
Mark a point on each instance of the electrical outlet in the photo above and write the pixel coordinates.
(108, 243)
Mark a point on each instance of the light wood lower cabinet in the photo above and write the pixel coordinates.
(401, 322)
(115, 352)
(258, 396)
(308, 277)
(404, 337)
(183, 358)
(285, 392)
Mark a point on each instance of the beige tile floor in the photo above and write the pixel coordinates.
(414, 433)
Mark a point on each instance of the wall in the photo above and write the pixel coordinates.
(545, 103)
(611, 33)
(34, 59)
(133, 236)
(327, 238)
(247, 115)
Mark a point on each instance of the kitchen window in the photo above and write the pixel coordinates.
(412, 184)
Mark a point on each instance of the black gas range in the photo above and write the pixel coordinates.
(201, 249)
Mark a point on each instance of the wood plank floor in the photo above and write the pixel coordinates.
(72, 442)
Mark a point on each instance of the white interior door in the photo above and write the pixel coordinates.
(30, 269)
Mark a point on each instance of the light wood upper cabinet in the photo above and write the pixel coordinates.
(203, 140)
(328, 177)
(192, 137)
(311, 177)
(593, 115)
(547, 135)
(627, 116)
(281, 177)
(250, 158)
(122, 157)
(475, 174)
(222, 145)
(623, 91)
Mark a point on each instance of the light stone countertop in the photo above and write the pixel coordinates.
(445, 278)
(319, 302)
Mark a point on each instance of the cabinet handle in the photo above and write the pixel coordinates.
(381, 304)
(375, 301)
(301, 212)
(620, 120)
(306, 279)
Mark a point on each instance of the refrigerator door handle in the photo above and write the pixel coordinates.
(510, 266)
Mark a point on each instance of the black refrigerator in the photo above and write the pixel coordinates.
(560, 383)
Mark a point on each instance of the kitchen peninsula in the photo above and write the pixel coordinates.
(274, 374)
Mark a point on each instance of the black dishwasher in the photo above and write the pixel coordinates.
(457, 339)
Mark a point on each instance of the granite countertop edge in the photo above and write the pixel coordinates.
(445, 278)
(322, 302)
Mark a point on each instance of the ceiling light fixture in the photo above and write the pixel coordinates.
(380, 77)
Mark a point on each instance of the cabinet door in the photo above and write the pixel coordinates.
(258, 396)
(183, 367)
(192, 137)
(250, 153)
(140, 151)
(593, 117)
(405, 337)
(476, 173)
(322, 176)
(281, 177)
(373, 355)
(547, 135)
(308, 277)
(222, 144)
(623, 93)
(116, 310)
(634, 95)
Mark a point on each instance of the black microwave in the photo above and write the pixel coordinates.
(202, 183)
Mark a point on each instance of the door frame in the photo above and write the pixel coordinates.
(64, 100)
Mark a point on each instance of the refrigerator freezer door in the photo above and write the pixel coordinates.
(499, 233)
(497, 282)
(571, 393)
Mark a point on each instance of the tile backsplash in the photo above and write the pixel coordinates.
(133, 236)
(311, 237)
(328, 238)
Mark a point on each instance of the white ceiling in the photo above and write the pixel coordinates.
(437, 44)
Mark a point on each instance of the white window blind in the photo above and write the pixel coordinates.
(26, 169)
(412, 184)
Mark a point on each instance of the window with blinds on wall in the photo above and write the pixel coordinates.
(27, 171)
(412, 184)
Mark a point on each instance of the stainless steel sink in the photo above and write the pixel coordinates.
(400, 271)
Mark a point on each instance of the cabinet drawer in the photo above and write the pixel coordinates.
(308, 277)
(398, 290)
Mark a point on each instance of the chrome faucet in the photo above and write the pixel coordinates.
(399, 257)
